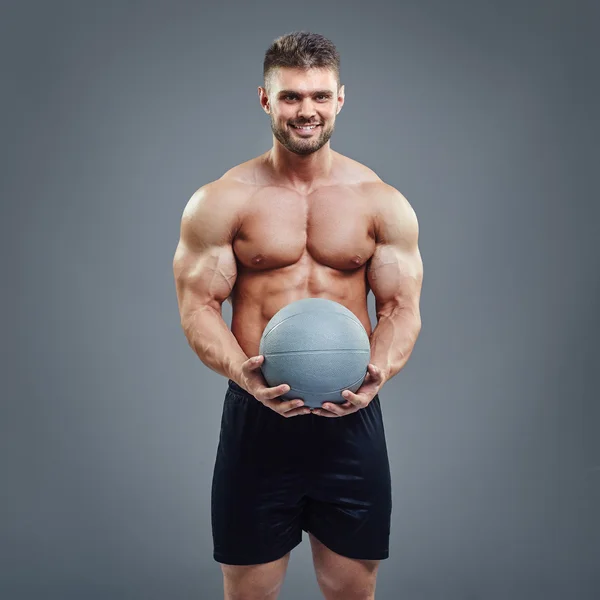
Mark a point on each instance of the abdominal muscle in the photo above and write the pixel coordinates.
(258, 295)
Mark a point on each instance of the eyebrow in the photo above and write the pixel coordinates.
(316, 93)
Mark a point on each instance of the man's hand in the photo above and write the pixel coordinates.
(373, 382)
(255, 384)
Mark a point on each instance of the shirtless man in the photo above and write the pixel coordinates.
(299, 221)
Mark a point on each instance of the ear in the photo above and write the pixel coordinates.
(264, 99)
(341, 98)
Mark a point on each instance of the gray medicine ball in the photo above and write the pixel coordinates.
(318, 347)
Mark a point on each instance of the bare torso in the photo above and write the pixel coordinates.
(291, 245)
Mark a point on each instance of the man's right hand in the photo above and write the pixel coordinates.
(254, 383)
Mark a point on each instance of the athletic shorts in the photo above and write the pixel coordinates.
(275, 477)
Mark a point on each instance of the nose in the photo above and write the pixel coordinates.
(306, 109)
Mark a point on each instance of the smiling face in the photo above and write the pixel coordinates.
(302, 104)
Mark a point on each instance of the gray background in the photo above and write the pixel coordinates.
(484, 114)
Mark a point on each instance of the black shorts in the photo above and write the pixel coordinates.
(276, 476)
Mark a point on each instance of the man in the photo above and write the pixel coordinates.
(299, 221)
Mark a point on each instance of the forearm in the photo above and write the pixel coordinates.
(393, 340)
(211, 339)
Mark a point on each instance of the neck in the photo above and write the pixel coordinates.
(301, 171)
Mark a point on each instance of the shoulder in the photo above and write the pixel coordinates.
(393, 214)
(390, 208)
(222, 202)
(235, 186)
(214, 210)
(353, 172)
(246, 173)
(386, 196)
(229, 192)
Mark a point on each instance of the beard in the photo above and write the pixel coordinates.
(298, 145)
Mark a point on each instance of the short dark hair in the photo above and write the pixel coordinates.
(304, 50)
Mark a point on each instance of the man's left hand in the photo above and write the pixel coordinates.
(371, 385)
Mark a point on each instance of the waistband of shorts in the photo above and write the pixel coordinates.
(237, 389)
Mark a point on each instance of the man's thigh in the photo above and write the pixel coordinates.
(260, 582)
(342, 577)
(349, 504)
(258, 483)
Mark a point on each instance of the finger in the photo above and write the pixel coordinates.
(296, 412)
(340, 409)
(323, 412)
(266, 394)
(375, 372)
(329, 409)
(254, 363)
(358, 400)
(283, 406)
(286, 406)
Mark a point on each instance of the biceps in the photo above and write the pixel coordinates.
(204, 278)
(395, 277)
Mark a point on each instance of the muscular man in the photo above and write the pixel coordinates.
(299, 221)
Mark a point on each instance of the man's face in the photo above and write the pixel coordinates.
(302, 104)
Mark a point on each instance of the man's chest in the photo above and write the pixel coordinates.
(333, 226)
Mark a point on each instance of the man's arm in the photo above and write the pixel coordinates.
(395, 275)
(205, 272)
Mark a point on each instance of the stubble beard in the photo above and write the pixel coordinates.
(301, 146)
